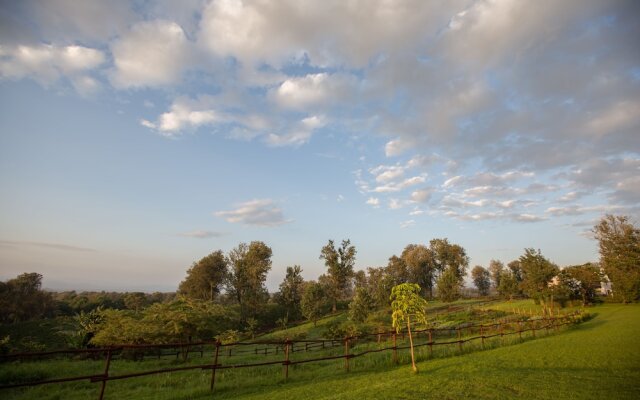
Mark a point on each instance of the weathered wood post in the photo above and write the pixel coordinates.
(105, 374)
(459, 340)
(395, 349)
(346, 354)
(286, 359)
(482, 336)
(215, 364)
(430, 343)
(520, 329)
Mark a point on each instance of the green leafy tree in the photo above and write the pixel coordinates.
(537, 274)
(248, 273)
(449, 257)
(313, 302)
(380, 284)
(449, 285)
(340, 264)
(496, 268)
(397, 270)
(619, 243)
(516, 269)
(509, 286)
(22, 299)
(421, 266)
(361, 305)
(587, 279)
(135, 301)
(290, 293)
(206, 277)
(482, 279)
(406, 304)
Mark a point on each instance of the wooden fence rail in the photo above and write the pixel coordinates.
(483, 332)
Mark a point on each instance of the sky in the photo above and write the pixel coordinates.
(136, 137)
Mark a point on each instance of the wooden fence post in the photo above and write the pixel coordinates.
(286, 359)
(215, 364)
(459, 340)
(346, 354)
(395, 349)
(105, 374)
(430, 343)
(482, 336)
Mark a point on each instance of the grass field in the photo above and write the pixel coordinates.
(598, 359)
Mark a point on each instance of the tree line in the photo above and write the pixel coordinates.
(225, 294)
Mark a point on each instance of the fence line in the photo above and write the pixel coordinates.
(288, 346)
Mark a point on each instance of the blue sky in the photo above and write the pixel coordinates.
(137, 137)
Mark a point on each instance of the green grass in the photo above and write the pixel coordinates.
(599, 358)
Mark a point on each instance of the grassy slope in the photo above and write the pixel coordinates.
(599, 359)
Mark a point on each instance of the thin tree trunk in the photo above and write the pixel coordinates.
(413, 360)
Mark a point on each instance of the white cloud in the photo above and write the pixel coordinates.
(385, 173)
(340, 198)
(314, 90)
(421, 196)
(260, 212)
(374, 202)
(407, 224)
(298, 135)
(185, 114)
(152, 53)
(48, 63)
(395, 204)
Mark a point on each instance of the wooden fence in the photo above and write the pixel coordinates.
(450, 336)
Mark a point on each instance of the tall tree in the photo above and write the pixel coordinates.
(619, 242)
(397, 270)
(340, 264)
(496, 268)
(291, 292)
(313, 301)
(537, 273)
(249, 265)
(421, 267)
(449, 286)
(450, 260)
(482, 279)
(361, 305)
(516, 269)
(587, 277)
(380, 284)
(509, 285)
(206, 277)
(22, 298)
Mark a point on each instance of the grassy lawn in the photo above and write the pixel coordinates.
(599, 358)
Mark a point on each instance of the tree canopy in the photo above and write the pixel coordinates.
(206, 277)
(619, 244)
(339, 264)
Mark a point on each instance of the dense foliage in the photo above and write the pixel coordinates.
(619, 243)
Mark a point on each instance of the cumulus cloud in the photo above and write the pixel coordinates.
(152, 53)
(48, 63)
(314, 90)
(374, 202)
(185, 113)
(260, 212)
